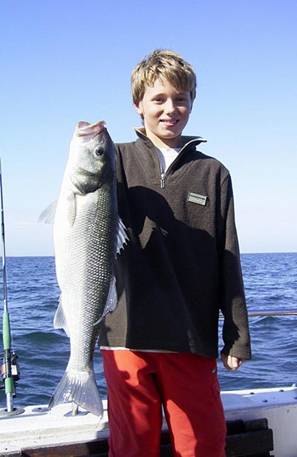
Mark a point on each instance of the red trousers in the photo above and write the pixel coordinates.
(185, 385)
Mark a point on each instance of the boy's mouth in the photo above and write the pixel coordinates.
(169, 122)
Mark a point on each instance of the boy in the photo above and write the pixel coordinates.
(180, 266)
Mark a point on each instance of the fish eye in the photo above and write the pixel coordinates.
(99, 151)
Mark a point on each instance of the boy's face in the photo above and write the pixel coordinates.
(165, 111)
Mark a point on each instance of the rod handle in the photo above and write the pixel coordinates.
(6, 331)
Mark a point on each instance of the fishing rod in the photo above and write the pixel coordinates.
(273, 313)
(9, 367)
(270, 313)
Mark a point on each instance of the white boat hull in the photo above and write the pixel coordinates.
(38, 427)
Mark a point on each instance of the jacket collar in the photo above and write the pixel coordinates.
(185, 140)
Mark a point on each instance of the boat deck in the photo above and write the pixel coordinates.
(258, 422)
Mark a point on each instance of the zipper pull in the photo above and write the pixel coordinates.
(162, 180)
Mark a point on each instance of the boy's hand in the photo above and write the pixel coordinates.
(230, 362)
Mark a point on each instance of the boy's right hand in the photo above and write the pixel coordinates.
(230, 362)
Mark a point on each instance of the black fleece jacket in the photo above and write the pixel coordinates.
(181, 264)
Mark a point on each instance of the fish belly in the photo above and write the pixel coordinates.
(85, 256)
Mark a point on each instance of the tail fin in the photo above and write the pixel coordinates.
(80, 388)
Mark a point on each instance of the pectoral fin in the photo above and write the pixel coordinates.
(48, 215)
(71, 208)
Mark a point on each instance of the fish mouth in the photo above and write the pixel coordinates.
(84, 128)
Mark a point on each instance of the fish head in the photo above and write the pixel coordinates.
(92, 157)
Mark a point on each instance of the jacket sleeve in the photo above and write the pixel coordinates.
(232, 298)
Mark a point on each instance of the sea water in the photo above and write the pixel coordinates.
(270, 284)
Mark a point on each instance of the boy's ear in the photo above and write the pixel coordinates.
(139, 108)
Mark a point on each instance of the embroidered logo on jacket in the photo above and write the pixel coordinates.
(197, 198)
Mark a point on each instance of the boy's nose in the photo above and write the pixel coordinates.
(169, 106)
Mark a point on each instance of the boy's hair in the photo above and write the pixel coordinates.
(166, 64)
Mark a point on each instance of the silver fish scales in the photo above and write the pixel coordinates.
(87, 236)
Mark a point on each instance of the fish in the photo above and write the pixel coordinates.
(88, 235)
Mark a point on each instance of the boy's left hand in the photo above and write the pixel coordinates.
(230, 362)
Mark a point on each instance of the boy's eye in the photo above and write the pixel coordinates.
(182, 99)
(179, 99)
(158, 99)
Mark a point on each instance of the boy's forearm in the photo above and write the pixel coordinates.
(235, 327)
(233, 305)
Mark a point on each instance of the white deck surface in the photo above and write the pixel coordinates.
(39, 427)
(278, 405)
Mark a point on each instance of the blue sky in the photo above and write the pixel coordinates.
(64, 61)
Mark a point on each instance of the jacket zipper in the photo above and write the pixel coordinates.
(162, 170)
(162, 179)
(163, 173)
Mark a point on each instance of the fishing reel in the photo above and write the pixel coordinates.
(9, 368)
